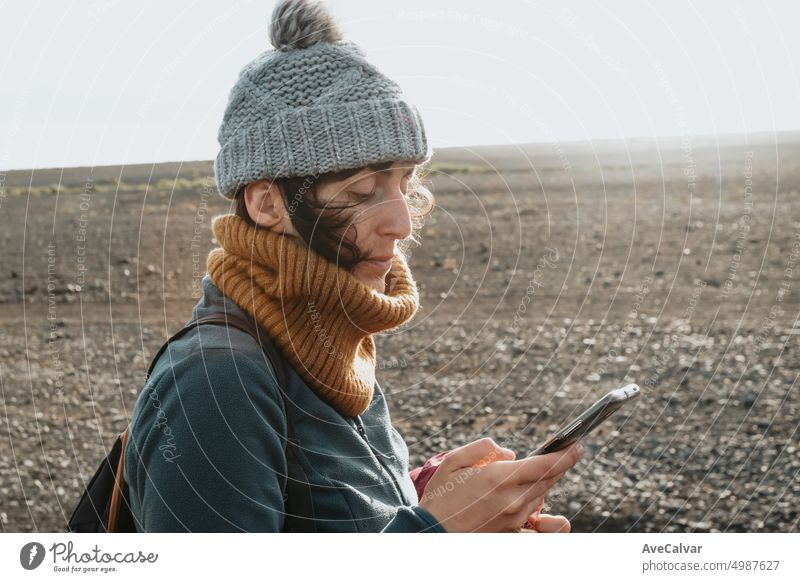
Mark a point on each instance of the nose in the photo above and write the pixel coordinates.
(394, 219)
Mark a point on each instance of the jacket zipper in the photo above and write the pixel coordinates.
(377, 454)
(361, 431)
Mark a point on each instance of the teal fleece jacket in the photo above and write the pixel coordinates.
(206, 451)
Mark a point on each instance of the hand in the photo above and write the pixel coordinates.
(546, 523)
(480, 487)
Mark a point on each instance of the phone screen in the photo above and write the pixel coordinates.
(589, 420)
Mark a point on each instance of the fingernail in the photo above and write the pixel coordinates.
(580, 449)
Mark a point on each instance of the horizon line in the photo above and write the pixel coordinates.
(762, 134)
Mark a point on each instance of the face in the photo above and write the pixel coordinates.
(379, 220)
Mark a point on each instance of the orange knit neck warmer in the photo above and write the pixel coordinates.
(320, 316)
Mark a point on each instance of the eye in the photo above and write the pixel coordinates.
(361, 195)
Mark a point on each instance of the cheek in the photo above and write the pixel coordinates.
(365, 225)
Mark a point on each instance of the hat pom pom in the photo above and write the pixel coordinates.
(299, 24)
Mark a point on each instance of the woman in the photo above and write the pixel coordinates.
(319, 153)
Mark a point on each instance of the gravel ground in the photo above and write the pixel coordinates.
(543, 286)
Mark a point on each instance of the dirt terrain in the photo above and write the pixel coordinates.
(549, 274)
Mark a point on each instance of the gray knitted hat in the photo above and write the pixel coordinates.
(312, 105)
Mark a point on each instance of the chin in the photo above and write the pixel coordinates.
(371, 280)
(378, 284)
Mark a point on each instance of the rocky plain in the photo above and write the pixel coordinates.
(549, 274)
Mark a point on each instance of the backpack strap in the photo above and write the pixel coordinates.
(299, 504)
(238, 323)
(119, 484)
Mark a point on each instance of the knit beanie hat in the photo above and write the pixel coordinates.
(312, 105)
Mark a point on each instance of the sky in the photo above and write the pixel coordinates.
(110, 82)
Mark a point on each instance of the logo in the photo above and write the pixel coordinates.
(31, 555)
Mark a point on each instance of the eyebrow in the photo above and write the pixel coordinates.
(382, 166)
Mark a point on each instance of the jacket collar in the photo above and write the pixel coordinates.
(214, 301)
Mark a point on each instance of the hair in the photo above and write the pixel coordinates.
(321, 225)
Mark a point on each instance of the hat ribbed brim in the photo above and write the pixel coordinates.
(315, 140)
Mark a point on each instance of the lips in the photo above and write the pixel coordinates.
(383, 263)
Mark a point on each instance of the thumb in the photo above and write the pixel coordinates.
(478, 453)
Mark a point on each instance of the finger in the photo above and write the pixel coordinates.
(476, 453)
(528, 513)
(531, 491)
(542, 467)
(501, 454)
(536, 512)
(533, 517)
(552, 524)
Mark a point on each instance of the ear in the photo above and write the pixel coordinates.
(265, 206)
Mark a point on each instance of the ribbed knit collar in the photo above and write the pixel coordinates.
(319, 315)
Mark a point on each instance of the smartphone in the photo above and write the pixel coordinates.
(589, 420)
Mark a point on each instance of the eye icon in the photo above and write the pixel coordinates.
(31, 555)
